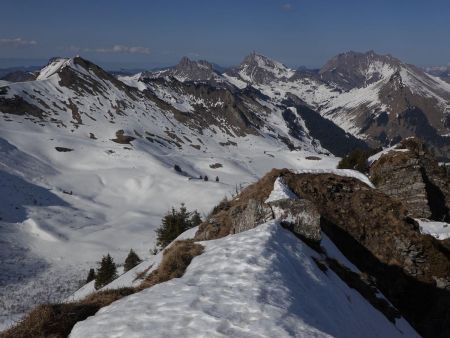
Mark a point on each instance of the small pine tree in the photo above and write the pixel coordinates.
(195, 218)
(106, 273)
(131, 261)
(174, 223)
(177, 168)
(205, 178)
(91, 275)
(217, 178)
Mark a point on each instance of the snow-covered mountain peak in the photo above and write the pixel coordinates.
(257, 68)
(355, 70)
(53, 66)
(186, 70)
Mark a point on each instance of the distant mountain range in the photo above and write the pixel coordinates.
(355, 99)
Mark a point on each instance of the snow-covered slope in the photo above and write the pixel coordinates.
(439, 230)
(259, 283)
(86, 165)
(134, 276)
(86, 159)
(62, 211)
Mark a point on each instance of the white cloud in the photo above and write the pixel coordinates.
(16, 42)
(119, 49)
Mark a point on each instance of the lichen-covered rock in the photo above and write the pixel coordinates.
(300, 216)
(254, 214)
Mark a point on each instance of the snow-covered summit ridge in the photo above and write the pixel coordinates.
(259, 283)
(53, 67)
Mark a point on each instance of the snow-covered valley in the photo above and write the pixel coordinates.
(61, 211)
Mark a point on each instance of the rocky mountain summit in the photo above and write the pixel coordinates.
(356, 70)
(186, 70)
(261, 70)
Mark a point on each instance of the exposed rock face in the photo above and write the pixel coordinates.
(410, 174)
(375, 233)
(353, 69)
(254, 214)
(300, 216)
(252, 207)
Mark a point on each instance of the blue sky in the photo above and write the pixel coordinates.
(158, 32)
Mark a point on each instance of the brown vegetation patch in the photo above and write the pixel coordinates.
(57, 320)
(175, 260)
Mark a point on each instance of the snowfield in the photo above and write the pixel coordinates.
(61, 211)
(259, 283)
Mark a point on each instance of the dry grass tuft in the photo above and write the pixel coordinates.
(174, 262)
(57, 320)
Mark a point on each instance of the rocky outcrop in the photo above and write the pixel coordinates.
(410, 174)
(186, 70)
(300, 216)
(254, 214)
(252, 207)
(372, 229)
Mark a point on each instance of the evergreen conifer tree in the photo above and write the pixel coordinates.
(174, 223)
(195, 219)
(131, 261)
(90, 276)
(106, 273)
